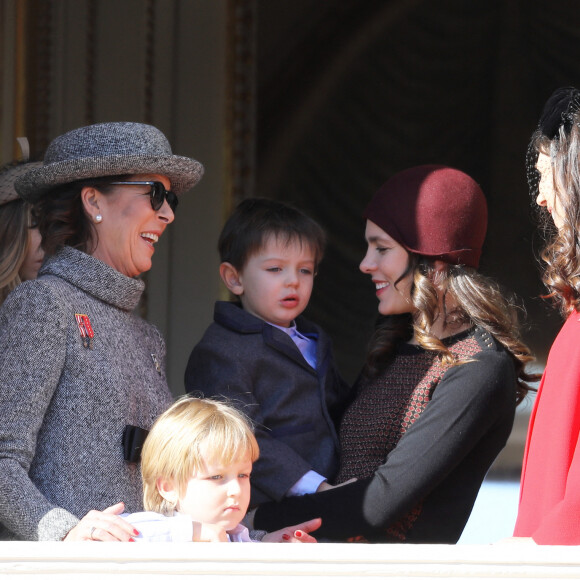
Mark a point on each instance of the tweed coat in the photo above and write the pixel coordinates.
(294, 407)
(64, 405)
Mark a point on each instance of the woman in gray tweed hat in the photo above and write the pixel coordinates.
(82, 377)
(20, 251)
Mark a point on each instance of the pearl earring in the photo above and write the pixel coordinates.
(98, 218)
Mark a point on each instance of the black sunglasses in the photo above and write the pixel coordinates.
(158, 193)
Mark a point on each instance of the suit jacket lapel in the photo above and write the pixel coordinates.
(281, 342)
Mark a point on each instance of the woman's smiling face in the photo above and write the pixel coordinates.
(386, 261)
(125, 237)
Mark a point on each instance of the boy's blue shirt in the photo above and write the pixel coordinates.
(306, 344)
(295, 407)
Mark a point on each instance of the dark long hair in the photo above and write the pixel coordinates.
(61, 217)
(561, 254)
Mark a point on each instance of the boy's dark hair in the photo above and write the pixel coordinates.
(256, 219)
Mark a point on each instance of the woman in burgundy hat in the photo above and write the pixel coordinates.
(446, 368)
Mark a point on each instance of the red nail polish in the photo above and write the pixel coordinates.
(298, 534)
(131, 539)
(285, 536)
(135, 532)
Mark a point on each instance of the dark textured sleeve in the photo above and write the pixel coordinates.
(32, 353)
(466, 404)
(215, 371)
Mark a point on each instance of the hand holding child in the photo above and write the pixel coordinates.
(103, 526)
(295, 534)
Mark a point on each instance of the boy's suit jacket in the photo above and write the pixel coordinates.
(294, 407)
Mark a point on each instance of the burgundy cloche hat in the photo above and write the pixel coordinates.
(433, 210)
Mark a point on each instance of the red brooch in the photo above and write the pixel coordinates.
(85, 329)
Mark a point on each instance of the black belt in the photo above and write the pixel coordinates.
(133, 439)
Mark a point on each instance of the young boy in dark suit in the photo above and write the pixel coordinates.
(268, 360)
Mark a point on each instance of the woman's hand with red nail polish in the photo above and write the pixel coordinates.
(295, 534)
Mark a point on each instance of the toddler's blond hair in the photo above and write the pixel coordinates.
(190, 434)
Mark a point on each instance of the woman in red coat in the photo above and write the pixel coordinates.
(549, 510)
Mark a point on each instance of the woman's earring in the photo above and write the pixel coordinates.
(98, 218)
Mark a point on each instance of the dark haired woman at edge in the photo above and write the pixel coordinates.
(549, 510)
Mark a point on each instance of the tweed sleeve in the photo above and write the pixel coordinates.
(466, 406)
(32, 354)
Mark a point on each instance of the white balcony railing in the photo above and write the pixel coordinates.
(159, 561)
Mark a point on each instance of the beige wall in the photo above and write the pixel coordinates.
(184, 282)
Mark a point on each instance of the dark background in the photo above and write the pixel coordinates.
(350, 92)
(326, 100)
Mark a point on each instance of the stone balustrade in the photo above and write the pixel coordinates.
(307, 561)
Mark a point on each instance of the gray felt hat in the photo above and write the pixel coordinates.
(108, 149)
(9, 175)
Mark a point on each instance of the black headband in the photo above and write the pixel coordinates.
(559, 111)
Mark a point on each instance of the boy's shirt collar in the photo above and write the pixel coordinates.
(233, 316)
(305, 344)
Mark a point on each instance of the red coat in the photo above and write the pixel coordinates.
(549, 509)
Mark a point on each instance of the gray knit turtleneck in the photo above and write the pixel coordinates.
(64, 406)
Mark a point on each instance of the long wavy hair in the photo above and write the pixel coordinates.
(561, 254)
(476, 300)
(15, 223)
